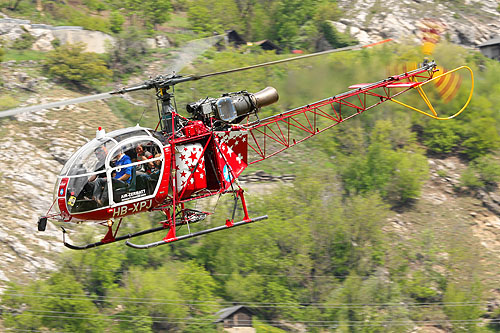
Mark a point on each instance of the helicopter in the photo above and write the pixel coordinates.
(185, 159)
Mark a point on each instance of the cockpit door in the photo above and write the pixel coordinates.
(134, 169)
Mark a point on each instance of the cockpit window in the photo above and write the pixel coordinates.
(132, 171)
(127, 135)
(91, 158)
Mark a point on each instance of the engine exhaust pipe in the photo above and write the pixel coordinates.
(265, 97)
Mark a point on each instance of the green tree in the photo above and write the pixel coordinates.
(463, 312)
(442, 136)
(98, 271)
(59, 303)
(484, 170)
(127, 54)
(155, 12)
(24, 42)
(287, 18)
(149, 13)
(71, 64)
(335, 38)
(196, 284)
(411, 171)
(116, 21)
(148, 301)
(482, 137)
(209, 16)
(396, 172)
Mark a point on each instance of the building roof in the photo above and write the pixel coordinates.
(490, 42)
(268, 43)
(235, 37)
(224, 313)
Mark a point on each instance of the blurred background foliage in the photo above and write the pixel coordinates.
(323, 258)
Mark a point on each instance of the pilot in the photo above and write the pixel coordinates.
(100, 154)
(121, 178)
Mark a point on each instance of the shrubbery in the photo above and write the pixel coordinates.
(483, 171)
(128, 54)
(71, 64)
(24, 42)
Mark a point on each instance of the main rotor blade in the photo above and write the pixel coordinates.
(190, 52)
(184, 57)
(347, 48)
(39, 107)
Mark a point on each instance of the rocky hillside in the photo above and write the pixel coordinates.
(468, 22)
(33, 150)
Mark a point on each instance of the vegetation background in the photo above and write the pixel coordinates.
(326, 259)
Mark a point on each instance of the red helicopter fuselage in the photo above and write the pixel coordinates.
(193, 164)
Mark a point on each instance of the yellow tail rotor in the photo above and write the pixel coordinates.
(442, 80)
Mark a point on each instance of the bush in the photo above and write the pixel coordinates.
(69, 16)
(442, 136)
(482, 138)
(24, 42)
(95, 5)
(7, 102)
(127, 55)
(70, 64)
(396, 172)
(481, 172)
(116, 21)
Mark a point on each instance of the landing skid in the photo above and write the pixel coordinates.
(183, 217)
(168, 239)
(103, 241)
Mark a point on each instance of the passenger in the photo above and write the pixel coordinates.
(100, 153)
(121, 178)
(144, 155)
(155, 171)
(149, 180)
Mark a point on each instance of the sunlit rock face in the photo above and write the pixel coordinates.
(469, 25)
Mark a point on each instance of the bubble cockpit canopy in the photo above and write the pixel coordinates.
(123, 165)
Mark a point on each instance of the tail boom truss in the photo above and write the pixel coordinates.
(272, 135)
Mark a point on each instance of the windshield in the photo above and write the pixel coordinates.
(105, 172)
(90, 158)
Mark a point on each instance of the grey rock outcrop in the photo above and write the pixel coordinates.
(470, 25)
(95, 41)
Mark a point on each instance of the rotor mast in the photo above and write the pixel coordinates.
(166, 99)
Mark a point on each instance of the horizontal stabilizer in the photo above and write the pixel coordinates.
(403, 85)
(359, 85)
(391, 85)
